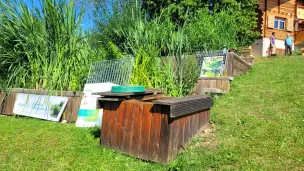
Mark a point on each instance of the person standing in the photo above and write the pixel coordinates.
(272, 44)
(288, 44)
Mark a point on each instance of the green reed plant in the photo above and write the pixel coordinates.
(161, 46)
(158, 46)
(44, 48)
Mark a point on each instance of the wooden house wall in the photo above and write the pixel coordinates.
(277, 8)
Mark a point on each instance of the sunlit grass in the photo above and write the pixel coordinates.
(258, 126)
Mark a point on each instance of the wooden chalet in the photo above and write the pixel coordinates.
(281, 17)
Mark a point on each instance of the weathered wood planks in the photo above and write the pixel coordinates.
(235, 66)
(218, 83)
(7, 103)
(185, 105)
(146, 131)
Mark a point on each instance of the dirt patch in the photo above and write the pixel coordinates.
(298, 168)
(207, 137)
(208, 131)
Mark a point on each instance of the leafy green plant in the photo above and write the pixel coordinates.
(242, 13)
(297, 52)
(159, 46)
(55, 110)
(212, 32)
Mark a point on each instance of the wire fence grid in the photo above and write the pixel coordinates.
(200, 55)
(116, 71)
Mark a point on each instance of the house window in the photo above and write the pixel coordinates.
(279, 23)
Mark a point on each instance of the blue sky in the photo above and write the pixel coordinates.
(87, 22)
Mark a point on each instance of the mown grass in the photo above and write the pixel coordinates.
(259, 125)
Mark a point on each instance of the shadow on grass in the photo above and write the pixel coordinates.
(95, 132)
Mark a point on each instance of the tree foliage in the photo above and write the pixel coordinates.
(243, 12)
(178, 8)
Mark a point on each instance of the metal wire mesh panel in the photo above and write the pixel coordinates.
(115, 71)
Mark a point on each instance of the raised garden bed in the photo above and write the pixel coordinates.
(213, 85)
(234, 66)
(153, 130)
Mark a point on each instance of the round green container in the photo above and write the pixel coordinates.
(128, 89)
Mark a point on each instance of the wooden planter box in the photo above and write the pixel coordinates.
(153, 131)
(70, 113)
(213, 85)
(249, 60)
(236, 65)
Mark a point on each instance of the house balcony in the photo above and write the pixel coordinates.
(299, 37)
(300, 12)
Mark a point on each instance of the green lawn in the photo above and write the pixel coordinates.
(259, 125)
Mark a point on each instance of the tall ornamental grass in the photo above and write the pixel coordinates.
(159, 47)
(45, 47)
(162, 47)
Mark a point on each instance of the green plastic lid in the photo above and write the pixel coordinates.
(128, 89)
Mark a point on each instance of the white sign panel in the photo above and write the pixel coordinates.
(40, 106)
(88, 114)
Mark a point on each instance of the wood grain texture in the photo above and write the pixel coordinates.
(143, 130)
(175, 138)
(120, 126)
(71, 110)
(187, 129)
(2, 101)
(8, 106)
(137, 126)
(155, 133)
(165, 133)
(278, 9)
(181, 132)
(112, 125)
(221, 84)
(212, 83)
(105, 125)
(127, 132)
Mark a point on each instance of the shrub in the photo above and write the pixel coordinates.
(297, 52)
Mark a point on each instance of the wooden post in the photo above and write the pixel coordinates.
(229, 62)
